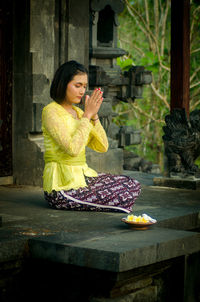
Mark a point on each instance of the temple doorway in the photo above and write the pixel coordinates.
(6, 46)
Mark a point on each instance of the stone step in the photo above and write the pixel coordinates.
(118, 251)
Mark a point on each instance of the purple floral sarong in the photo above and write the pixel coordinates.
(106, 192)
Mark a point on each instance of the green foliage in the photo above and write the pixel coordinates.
(125, 64)
(197, 162)
(144, 32)
(150, 60)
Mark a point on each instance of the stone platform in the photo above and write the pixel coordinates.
(42, 244)
(181, 183)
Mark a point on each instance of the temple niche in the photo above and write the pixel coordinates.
(104, 72)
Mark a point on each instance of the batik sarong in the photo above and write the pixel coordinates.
(106, 192)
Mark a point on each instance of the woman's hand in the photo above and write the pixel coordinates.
(93, 103)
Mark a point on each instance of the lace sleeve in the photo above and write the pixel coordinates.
(98, 141)
(54, 124)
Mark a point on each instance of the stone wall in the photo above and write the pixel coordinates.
(33, 68)
(26, 157)
(46, 34)
(31, 280)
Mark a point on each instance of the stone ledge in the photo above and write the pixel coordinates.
(116, 252)
(145, 294)
(106, 162)
(177, 183)
(7, 180)
(13, 249)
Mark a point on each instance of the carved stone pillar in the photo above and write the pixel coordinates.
(105, 73)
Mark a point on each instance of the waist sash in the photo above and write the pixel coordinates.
(66, 159)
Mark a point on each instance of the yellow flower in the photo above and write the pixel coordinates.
(130, 217)
(135, 218)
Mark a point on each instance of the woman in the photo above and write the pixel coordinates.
(69, 183)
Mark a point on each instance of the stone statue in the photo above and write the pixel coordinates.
(182, 142)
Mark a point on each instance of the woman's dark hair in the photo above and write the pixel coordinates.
(62, 77)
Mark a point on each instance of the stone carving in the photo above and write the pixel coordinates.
(117, 85)
(116, 5)
(103, 70)
(134, 162)
(128, 136)
(182, 142)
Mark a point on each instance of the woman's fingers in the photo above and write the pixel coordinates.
(97, 93)
(93, 102)
(87, 98)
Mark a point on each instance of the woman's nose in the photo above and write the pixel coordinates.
(82, 90)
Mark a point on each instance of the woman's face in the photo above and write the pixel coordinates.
(76, 89)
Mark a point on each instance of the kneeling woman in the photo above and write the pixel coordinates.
(69, 184)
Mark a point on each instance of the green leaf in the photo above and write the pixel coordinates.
(125, 64)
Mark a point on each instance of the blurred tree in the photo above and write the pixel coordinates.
(144, 33)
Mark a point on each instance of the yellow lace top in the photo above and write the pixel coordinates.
(65, 139)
